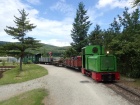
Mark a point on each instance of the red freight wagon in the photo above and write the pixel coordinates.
(78, 62)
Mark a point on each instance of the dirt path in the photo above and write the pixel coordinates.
(69, 87)
(66, 87)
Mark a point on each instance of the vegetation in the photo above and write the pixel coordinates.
(122, 38)
(56, 51)
(136, 3)
(135, 83)
(125, 45)
(19, 33)
(9, 64)
(70, 52)
(95, 37)
(30, 71)
(80, 28)
(33, 97)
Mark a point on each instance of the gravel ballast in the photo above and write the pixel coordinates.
(66, 87)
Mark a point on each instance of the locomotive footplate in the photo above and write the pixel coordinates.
(108, 77)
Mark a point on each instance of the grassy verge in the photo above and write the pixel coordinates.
(33, 97)
(134, 84)
(30, 71)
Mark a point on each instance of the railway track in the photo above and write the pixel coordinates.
(130, 94)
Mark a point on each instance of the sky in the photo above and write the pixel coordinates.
(54, 18)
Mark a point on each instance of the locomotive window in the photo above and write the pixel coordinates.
(95, 50)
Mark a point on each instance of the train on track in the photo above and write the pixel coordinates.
(93, 62)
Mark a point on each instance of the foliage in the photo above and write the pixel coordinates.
(30, 71)
(80, 28)
(136, 2)
(3, 62)
(125, 44)
(56, 51)
(13, 62)
(95, 37)
(33, 97)
(25, 43)
(2, 51)
(122, 38)
(70, 52)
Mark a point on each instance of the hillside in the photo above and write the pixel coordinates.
(46, 48)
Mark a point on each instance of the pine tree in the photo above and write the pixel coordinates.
(125, 44)
(112, 34)
(95, 37)
(19, 32)
(80, 28)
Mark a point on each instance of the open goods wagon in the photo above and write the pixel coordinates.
(74, 62)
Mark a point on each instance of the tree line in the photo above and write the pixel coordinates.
(122, 39)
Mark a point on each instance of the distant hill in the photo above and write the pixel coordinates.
(3, 42)
(46, 48)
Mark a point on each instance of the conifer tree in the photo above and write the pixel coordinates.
(80, 28)
(95, 37)
(19, 32)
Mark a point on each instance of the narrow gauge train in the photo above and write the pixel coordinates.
(95, 63)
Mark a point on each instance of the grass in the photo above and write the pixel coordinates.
(9, 64)
(134, 84)
(33, 97)
(30, 71)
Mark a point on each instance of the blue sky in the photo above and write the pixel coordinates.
(54, 18)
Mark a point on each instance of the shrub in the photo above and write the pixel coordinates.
(134, 74)
(3, 62)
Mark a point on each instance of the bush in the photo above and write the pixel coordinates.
(3, 62)
(134, 74)
(13, 62)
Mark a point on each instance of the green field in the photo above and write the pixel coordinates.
(30, 71)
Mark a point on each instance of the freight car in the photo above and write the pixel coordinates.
(73, 62)
(57, 61)
(46, 60)
(37, 58)
(98, 65)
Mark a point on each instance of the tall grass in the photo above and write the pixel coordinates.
(30, 71)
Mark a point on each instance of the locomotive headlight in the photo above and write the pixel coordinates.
(107, 52)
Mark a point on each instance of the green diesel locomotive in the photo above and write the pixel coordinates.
(98, 65)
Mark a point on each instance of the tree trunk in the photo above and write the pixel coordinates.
(21, 63)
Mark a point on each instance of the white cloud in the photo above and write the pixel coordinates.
(35, 2)
(56, 42)
(114, 3)
(93, 15)
(63, 7)
(45, 29)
